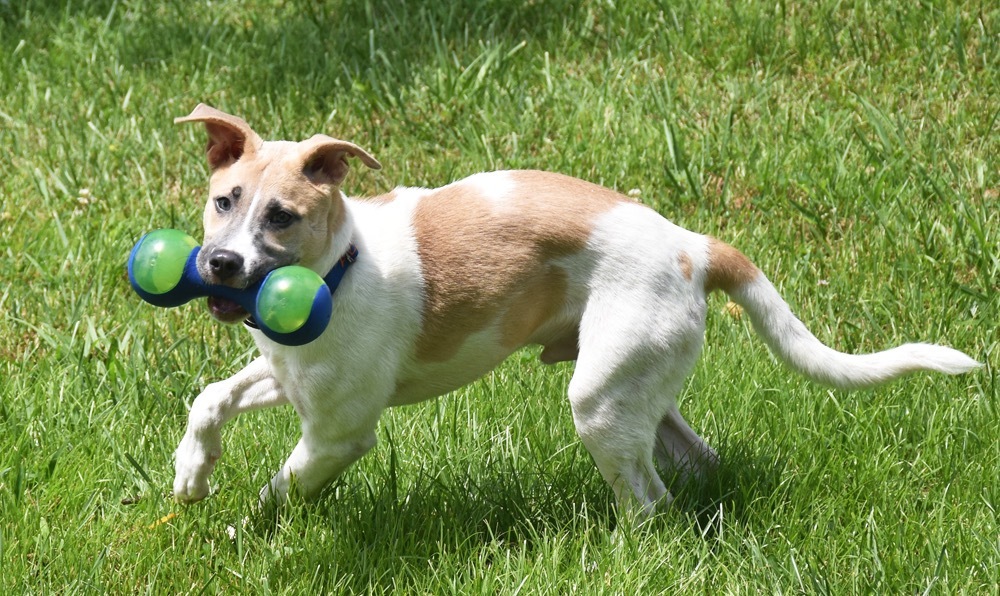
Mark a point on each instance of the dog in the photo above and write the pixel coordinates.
(447, 283)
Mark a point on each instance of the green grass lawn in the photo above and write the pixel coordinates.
(851, 149)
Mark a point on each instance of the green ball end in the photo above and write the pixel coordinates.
(286, 298)
(160, 259)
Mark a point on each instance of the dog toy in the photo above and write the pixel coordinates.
(291, 305)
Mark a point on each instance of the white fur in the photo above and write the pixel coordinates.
(789, 339)
(493, 186)
(641, 317)
(244, 241)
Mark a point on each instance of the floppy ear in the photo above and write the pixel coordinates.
(324, 159)
(229, 137)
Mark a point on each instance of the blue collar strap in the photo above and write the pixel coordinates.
(332, 279)
(336, 274)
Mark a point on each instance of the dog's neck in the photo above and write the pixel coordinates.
(341, 241)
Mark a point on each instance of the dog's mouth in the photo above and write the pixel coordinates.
(225, 310)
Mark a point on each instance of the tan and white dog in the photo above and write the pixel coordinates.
(450, 281)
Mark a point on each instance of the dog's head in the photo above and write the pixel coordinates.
(270, 203)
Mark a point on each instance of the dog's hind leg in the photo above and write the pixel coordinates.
(617, 422)
(629, 373)
(679, 449)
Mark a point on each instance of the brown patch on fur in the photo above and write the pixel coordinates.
(687, 268)
(482, 258)
(539, 300)
(728, 268)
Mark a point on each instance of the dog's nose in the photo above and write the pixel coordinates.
(225, 263)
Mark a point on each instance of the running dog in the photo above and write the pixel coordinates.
(448, 282)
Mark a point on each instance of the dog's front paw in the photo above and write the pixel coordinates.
(192, 469)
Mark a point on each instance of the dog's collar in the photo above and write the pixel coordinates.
(332, 279)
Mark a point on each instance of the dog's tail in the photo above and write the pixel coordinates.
(786, 336)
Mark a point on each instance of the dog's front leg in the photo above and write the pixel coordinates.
(252, 388)
(318, 458)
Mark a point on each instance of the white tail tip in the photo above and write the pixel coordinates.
(942, 359)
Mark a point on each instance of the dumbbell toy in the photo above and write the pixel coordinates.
(291, 305)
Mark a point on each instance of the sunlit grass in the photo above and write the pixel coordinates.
(850, 149)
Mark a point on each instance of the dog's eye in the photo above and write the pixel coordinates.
(281, 218)
(223, 204)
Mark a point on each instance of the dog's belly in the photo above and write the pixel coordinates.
(480, 353)
(420, 380)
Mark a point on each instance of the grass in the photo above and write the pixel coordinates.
(850, 148)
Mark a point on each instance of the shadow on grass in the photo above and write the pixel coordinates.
(743, 479)
(442, 507)
(427, 520)
(510, 505)
(307, 43)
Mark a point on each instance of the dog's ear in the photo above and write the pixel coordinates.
(324, 159)
(229, 137)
